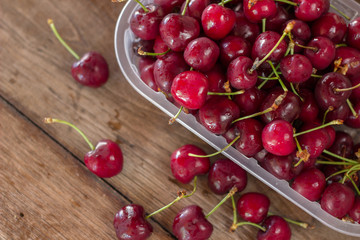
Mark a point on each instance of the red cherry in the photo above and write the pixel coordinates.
(255, 10)
(310, 184)
(276, 228)
(310, 10)
(353, 34)
(354, 212)
(330, 25)
(253, 207)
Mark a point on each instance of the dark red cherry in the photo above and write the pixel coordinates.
(145, 61)
(253, 207)
(343, 145)
(160, 47)
(184, 167)
(217, 114)
(106, 160)
(130, 223)
(216, 78)
(256, 10)
(352, 121)
(331, 134)
(202, 54)
(326, 93)
(353, 34)
(296, 68)
(310, 184)
(329, 170)
(324, 54)
(330, 25)
(190, 224)
(277, 138)
(350, 57)
(91, 70)
(301, 30)
(147, 76)
(341, 113)
(260, 156)
(337, 199)
(145, 24)
(217, 21)
(195, 8)
(239, 74)
(309, 108)
(224, 174)
(314, 142)
(249, 102)
(145, 45)
(354, 212)
(250, 131)
(169, 5)
(245, 29)
(232, 47)
(177, 31)
(276, 228)
(355, 93)
(276, 22)
(282, 167)
(310, 10)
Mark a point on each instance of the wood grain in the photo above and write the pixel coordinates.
(36, 83)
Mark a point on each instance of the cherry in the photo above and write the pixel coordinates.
(277, 138)
(105, 160)
(130, 223)
(185, 168)
(217, 21)
(350, 57)
(195, 8)
(310, 184)
(296, 68)
(145, 21)
(355, 94)
(232, 47)
(147, 76)
(91, 69)
(341, 113)
(224, 174)
(330, 25)
(354, 121)
(201, 54)
(330, 170)
(337, 199)
(260, 156)
(190, 224)
(310, 10)
(244, 28)
(169, 5)
(160, 47)
(309, 108)
(300, 31)
(145, 61)
(217, 114)
(314, 142)
(343, 145)
(249, 102)
(216, 79)
(353, 34)
(326, 90)
(255, 10)
(239, 74)
(177, 31)
(322, 53)
(354, 212)
(282, 167)
(145, 45)
(276, 228)
(253, 207)
(276, 22)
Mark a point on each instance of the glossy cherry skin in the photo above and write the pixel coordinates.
(216, 79)
(160, 47)
(224, 174)
(253, 207)
(353, 34)
(260, 156)
(343, 145)
(337, 199)
(250, 131)
(249, 102)
(239, 74)
(195, 8)
(309, 108)
(217, 21)
(288, 110)
(341, 113)
(282, 167)
(310, 10)
(301, 30)
(277, 138)
(232, 47)
(217, 114)
(354, 212)
(355, 93)
(106, 160)
(276, 228)
(324, 55)
(169, 5)
(314, 142)
(296, 68)
(190, 224)
(255, 11)
(310, 184)
(177, 31)
(190, 89)
(352, 121)
(330, 25)
(245, 29)
(276, 22)
(91, 70)
(350, 57)
(147, 76)
(130, 223)
(325, 93)
(184, 167)
(329, 170)
(201, 54)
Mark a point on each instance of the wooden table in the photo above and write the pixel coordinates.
(46, 190)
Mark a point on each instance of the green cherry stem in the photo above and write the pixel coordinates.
(295, 92)
(172, 120)
(142, 6)
(226, 94)
(334, 122)
(302, 154)
(346, 89)
(181, 195)
(232, 191)
(277, 75)
(251, 224)
(340, 157)
(352, 108)
(287, 2)
(54, 120)
(267, 78)
(340, 45)
(335, 163)
(300, 224)
(142, 53)
(185, 7)
(57, 35)
(270, 75)
(263, 24)
(340, 12)
(331, 108)
(316, 76)
(353, 183)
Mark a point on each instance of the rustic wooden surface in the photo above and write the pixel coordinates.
(46, 191)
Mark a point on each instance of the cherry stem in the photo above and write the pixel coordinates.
(353, 169)
(334, 122)
(316, 76)
(172, 120)
(353, 183)
(288, 2)
(181, 195)
(232, 191)
(226, 94)
(331, 108)
(263, 25)
(54, 120)
(340, 157)
(300, 224)
(185, 7)
(142, 6)
(287, 29)
(267, 78)
(340, 45)
(315, 49)
(346, 89)
(215, 153)
(295, 92)
(57, 35)
(277, 75)
(340, 12)
(354, 113)
(234, 209)
(142, 53)
(223, 2)
(302, 154)
(252, 224)
(335, 163)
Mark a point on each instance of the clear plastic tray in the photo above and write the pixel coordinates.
(128, 64)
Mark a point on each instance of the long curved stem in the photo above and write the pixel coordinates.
(232, 191)
(334, 122)
(340, 157)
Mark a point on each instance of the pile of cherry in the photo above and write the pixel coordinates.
(272, 77)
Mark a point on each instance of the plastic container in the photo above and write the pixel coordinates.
(128, 64)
